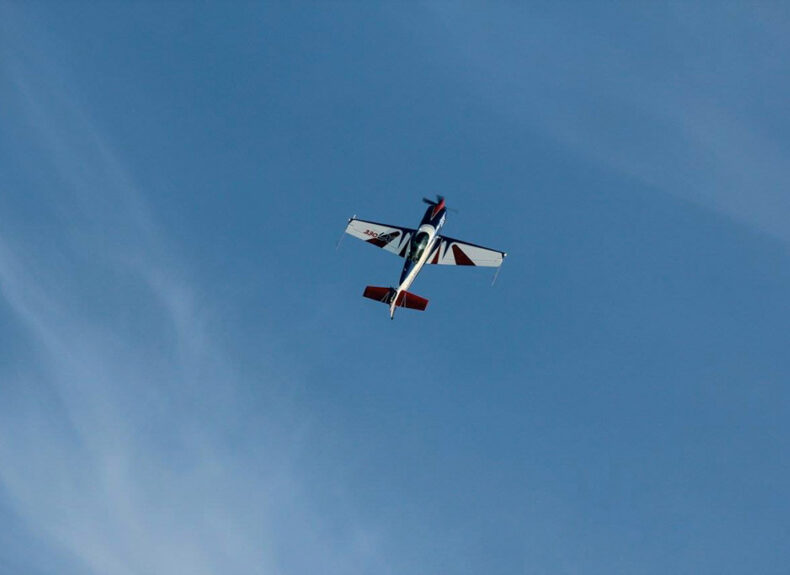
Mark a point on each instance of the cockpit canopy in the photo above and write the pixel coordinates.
(418, 244)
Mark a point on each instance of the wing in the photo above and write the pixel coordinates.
(451, 252)
(392, 238)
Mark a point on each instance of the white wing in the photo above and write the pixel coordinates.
(451, 252)
(391, 238)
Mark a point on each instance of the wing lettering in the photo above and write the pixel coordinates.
(394, 239)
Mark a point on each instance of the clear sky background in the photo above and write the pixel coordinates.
(191, 382)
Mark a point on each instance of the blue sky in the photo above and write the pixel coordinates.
(191, 382)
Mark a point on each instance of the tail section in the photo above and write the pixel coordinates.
(411, 301)
(382, 294)
(388, 296)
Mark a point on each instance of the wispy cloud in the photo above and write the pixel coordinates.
(684, 99)
(122, 442)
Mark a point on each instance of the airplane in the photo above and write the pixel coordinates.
(420, 246)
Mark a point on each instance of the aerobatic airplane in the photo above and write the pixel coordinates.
(420, 246)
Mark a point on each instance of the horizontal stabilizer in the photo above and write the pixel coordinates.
(382, 294)
(405, 299)
(411, 301)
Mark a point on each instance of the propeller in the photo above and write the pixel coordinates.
(439, 200)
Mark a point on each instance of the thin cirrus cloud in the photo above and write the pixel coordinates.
(683, 100)
(120, 424)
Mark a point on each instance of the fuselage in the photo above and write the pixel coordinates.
(420, 247)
